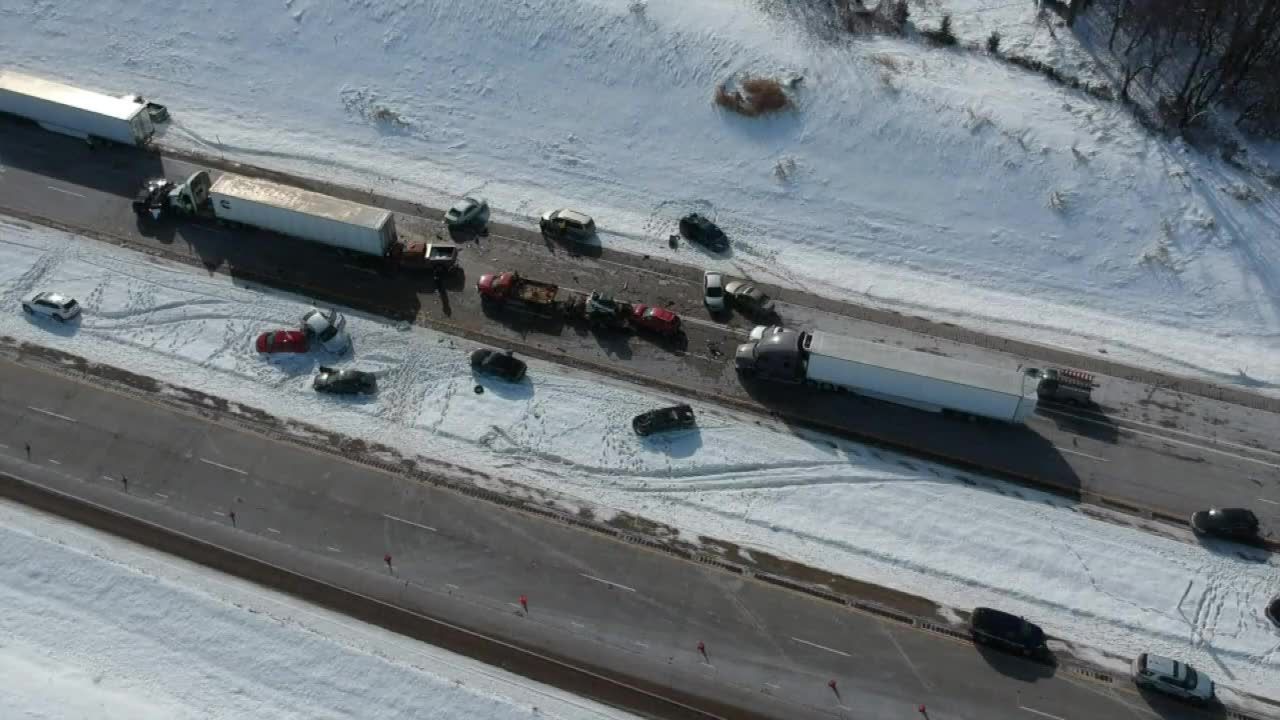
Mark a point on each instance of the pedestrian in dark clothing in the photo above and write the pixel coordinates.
(28, 450)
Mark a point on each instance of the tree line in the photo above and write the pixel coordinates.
(1189, 55)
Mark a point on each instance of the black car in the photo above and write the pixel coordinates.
(498, 363)
(345, 382)
(676, 417)
(152, 196)
(1010, 632)
(1235, 523)
(1273, 611)
(698, 229)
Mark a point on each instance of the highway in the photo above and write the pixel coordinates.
(1154, 450)
(624, 611)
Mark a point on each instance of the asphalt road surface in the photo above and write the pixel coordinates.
(617, 607)
(1150, 448)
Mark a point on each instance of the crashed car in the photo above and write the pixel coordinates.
(469, 210)
(655, 320)
(750, 299)
(152, 198)
(501, 364)
(1232, 523)
(676, 417)
(282, 341)
(698, 229)
(345, 382)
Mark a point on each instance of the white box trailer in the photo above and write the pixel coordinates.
(74, 111)
(918, 379)
(308, 215)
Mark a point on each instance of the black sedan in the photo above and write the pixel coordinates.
(502, 364)
(676, 417)
(1236, 523)
(1010, 632)
(698, 229)
(345, 382)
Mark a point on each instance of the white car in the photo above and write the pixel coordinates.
(51, 304)
(1156, 672)
(329, 327)
(470, 210)
(713, 291)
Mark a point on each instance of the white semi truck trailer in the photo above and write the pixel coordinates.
(74, 111)
(906, 377)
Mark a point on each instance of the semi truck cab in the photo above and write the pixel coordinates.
(774, 353)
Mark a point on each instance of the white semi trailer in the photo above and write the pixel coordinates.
(906, 377)
(301, 213)
(74, 111)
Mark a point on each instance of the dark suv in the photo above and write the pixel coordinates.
(1009, 632)
(1235, 523)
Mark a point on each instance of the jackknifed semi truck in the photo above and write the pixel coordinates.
(319, 218)
(74, 111)
(898, 375)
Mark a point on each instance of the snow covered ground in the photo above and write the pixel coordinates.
(829, 503)
(96, 627)
(937, 181)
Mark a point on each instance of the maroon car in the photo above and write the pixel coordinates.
(655, 319)
(282, 341)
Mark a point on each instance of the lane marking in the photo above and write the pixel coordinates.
(219, 513)
(821, 647)
(51, 413)
(451, 586)
(332, 548)
(1165, 438)
(914, 671)
(1039, 712)
(108, 479)
(2, 445)
(162, 496)
(409, 522)
(1077, 452)
(65, 192)
(607, 582)
(273, 530)
(224, 467)
(1161, 428)
(641, 643)
(1273, 502)
(55, 462)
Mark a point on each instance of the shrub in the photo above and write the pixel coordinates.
(943, 35)
(757, 96)
(993, 43)
(900, 13)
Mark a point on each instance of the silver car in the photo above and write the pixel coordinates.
(329, 328)
(750, 299)
(1156, 672)
(713, 291)
(470, 210)
(51, 304)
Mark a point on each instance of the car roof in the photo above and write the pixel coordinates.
(54, 297)
(1233, 514)
(715, 275)
(575, 216)
(1163, 665)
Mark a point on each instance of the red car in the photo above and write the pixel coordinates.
(282, 341)
(655, 319)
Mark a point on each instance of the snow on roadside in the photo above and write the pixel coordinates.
(936, 181)
(832, 504)
(97, 627)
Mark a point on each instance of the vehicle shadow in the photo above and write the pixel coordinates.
(1015, 666)
(1174, 709)
(678, 444)
(109, 168)
(522, 322)
(677, 343)
(1240, 549)
(616, 343)
(974, 450)
(164, 230)
(66, 328)
(294, 364)
(1086, 422)
(592, 248)
(522, 390)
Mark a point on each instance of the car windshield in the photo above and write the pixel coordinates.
(714, 291)
(1189, 682)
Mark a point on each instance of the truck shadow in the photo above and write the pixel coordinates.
(972, 451)
(1086, 422)
(114, 169)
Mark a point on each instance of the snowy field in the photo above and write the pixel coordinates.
(827, 503)
(935, 181)
(95, 627)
